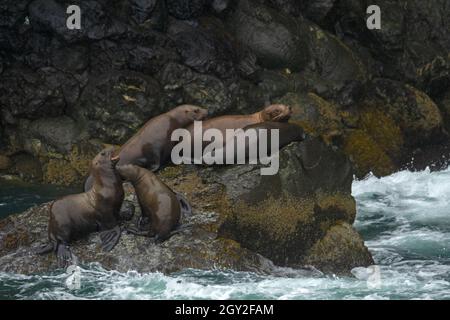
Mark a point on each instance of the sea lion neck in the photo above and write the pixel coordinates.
(105, 176)
(177, 120)
(259, 116)
(131, 173)
(140, 175)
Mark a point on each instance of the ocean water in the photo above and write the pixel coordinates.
(18, 196)
(404, 218)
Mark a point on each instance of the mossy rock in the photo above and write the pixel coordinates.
(383, 130)
(5, 162)
(26, 167)
(377, 146)
(314, 114)
(366, 155)
(412, 110)
(277, 228)
(81, 155)
(339, 251)
(337, 206)
(60, 172)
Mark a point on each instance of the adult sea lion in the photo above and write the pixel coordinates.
(75, 216)
(287, 133)
(151, 146)
(159, 204)
(274, 113)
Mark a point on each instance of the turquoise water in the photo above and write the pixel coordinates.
(17, 197)
(404, 218)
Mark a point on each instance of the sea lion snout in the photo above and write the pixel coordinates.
(199, 114)
(285, 112)
(115, 159)
(277, 113)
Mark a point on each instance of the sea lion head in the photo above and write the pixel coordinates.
(192, 113)
(128, 172)
(105, 162)
(277, 113)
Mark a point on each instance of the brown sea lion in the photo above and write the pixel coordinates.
(151, 146)
(274, 113)
(75, 216)
(159, 204)
(287, 133)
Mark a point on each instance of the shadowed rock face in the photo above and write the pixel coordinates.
(274, 37)
(241, 221)
(135, 59)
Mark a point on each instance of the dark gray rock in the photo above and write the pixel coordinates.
(13, 12)
(142, 9)
(334, 71)
(185, 9)
(291, 7)
(116, 104)
(221, 6)
(204, 50)
(415, 112)
(141, 50)
(96, 23)
(183, 85)
(273, 36)
(60, 133)
(412, 43)
(30, 94)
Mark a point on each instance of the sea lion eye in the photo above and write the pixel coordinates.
(102, 153)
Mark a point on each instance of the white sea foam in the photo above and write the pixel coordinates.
(405, 219)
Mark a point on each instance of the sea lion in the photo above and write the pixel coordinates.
(288, 132)
(273, 113)
(75, 216)
(151, 146)
(159, 204)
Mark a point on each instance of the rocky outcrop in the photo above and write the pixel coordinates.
(300, 217)
(378, 95)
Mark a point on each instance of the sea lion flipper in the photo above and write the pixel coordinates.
(186, 209)
(49, 247)
(127, 211)
(110, 238)
(180, 229)
(137, 232)
(64, 255)
(142, 222)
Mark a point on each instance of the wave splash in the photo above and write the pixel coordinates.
(404, 218)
